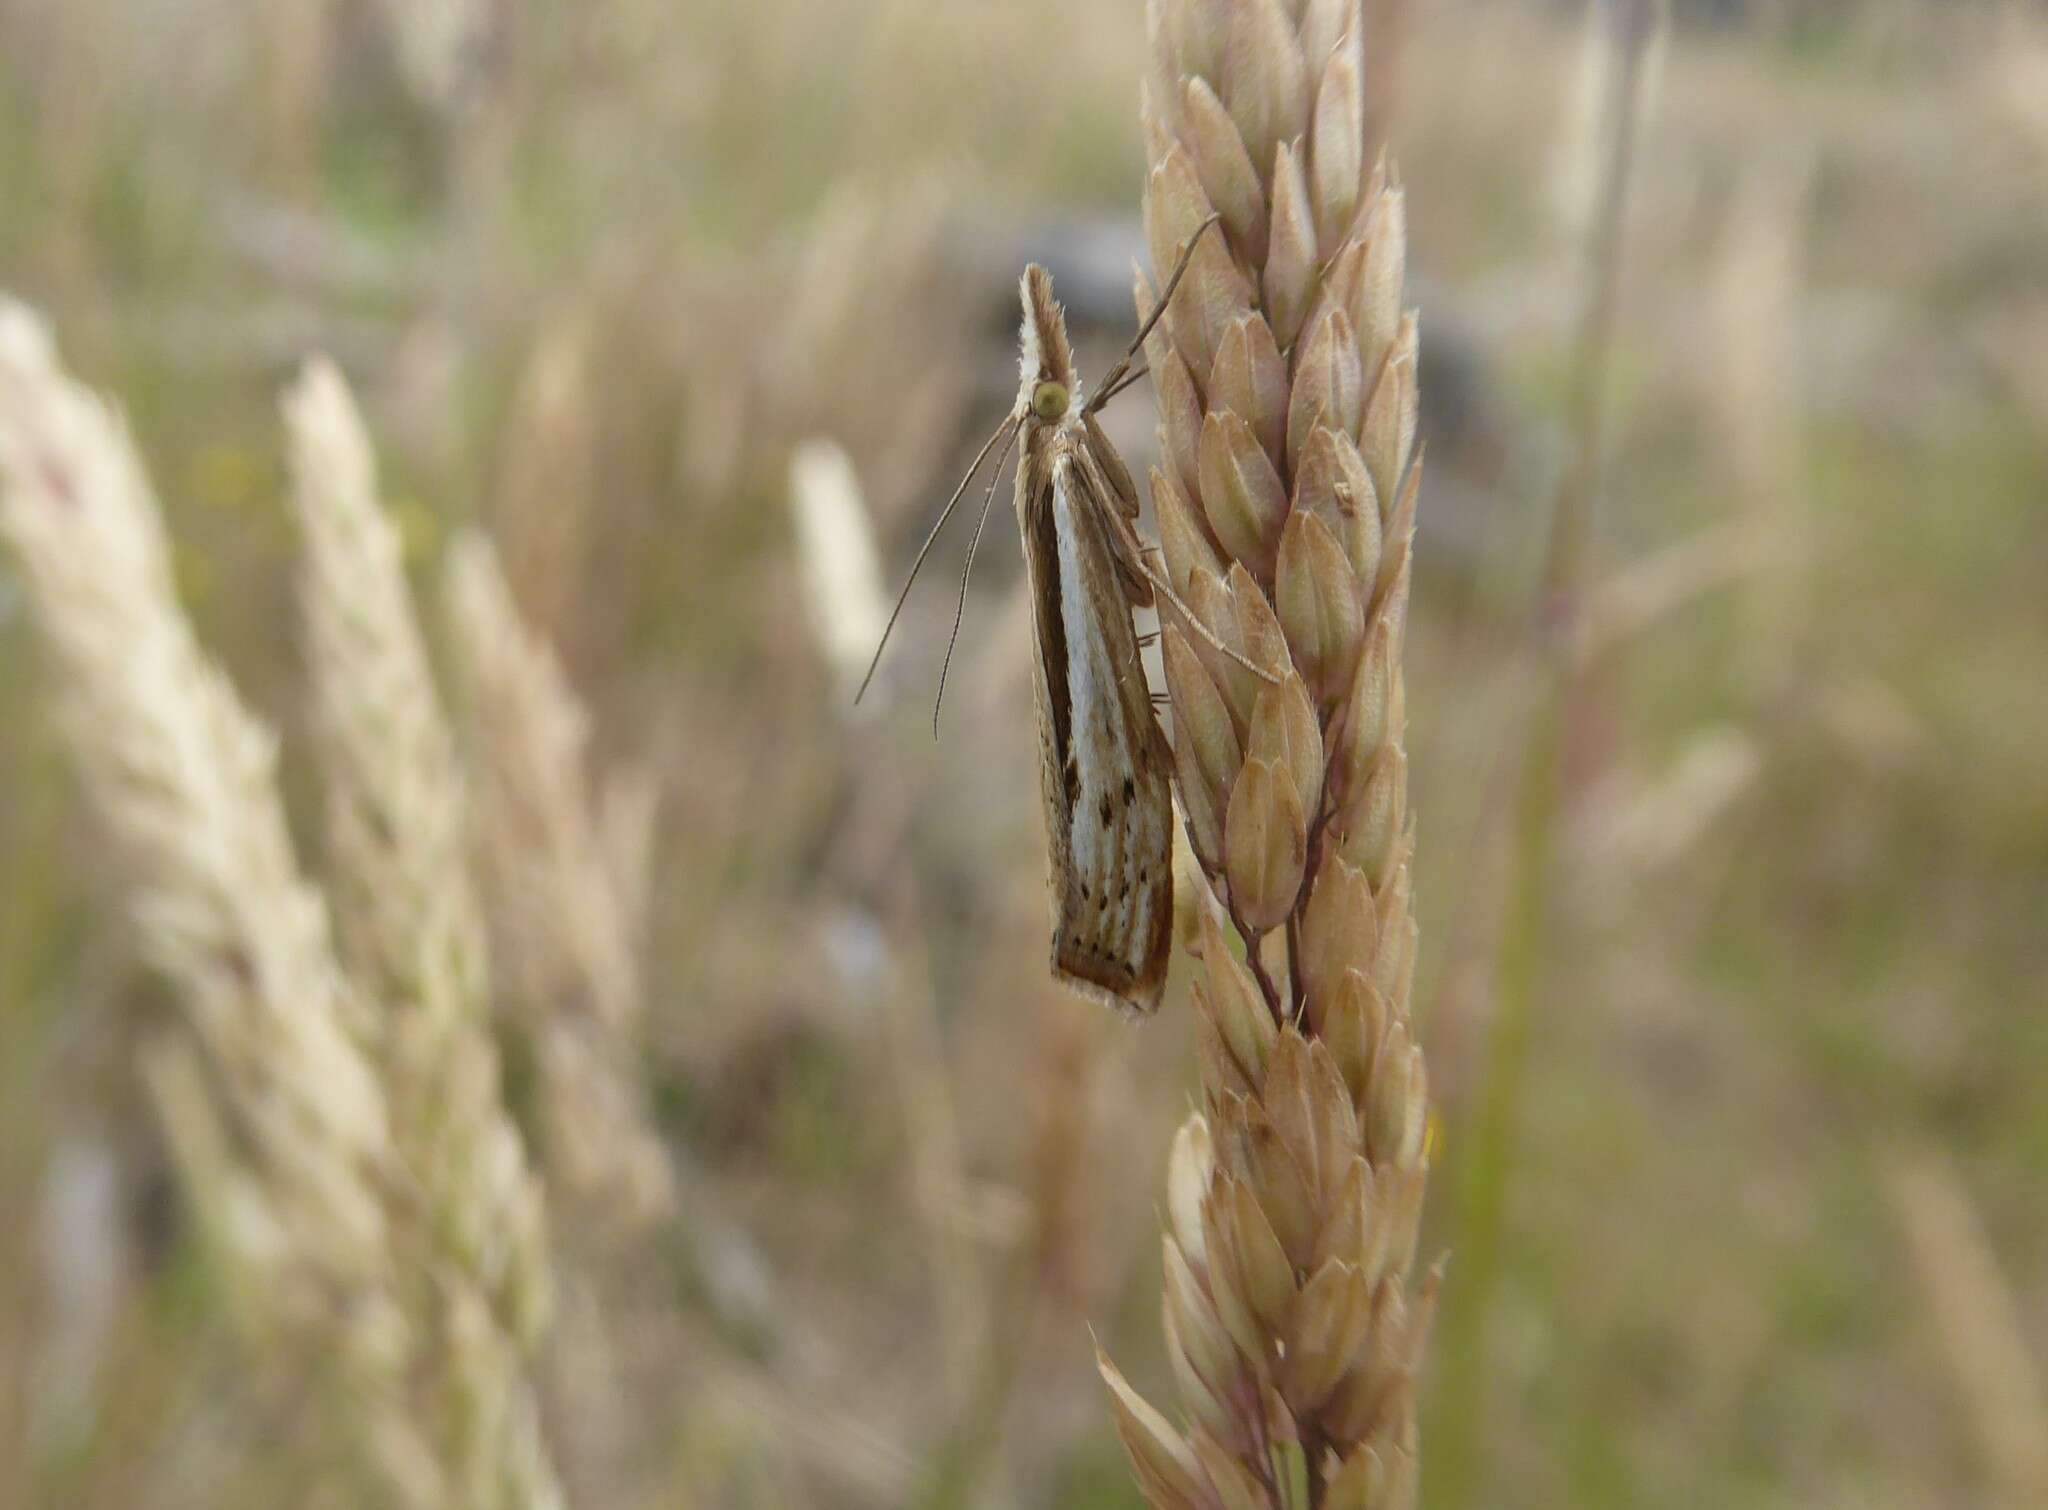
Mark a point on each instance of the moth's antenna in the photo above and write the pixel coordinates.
(1135, 375)
(1112, 380)
(1164, 590)
(960, 608)
(1135, 551)
(1008, 426)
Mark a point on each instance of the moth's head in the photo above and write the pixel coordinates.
(1045, 364)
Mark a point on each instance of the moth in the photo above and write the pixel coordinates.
(1105, 767)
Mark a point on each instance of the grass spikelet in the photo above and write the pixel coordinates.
(1976, 1321)
(185, 780)
(563, 915)
(1286, 369)
(413, 937)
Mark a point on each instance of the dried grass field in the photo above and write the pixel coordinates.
(485, 1020)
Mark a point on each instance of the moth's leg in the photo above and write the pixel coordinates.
(1111, 465)
(1130, 575)
(1129, 553)
(1116, 523)
(1127, 550)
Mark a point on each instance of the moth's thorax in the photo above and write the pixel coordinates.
(1047, 447)
(1066, 433)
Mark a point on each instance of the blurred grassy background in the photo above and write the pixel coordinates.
(597, 269)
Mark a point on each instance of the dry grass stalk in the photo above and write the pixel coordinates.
(1757, 403)
(1285, 369)
(1978, 1318)
(1561, 745)
(412, 937)
(564, 912)
(283, 1087)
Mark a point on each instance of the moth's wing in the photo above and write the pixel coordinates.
(1108, 801)
(1049, 656)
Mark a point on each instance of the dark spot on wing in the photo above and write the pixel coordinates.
(1073, 777)
(1130, 789)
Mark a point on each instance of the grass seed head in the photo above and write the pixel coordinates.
(1285, 369)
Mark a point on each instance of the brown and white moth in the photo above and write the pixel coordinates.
(1105, 769)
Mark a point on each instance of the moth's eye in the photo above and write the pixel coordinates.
(1049, 400)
